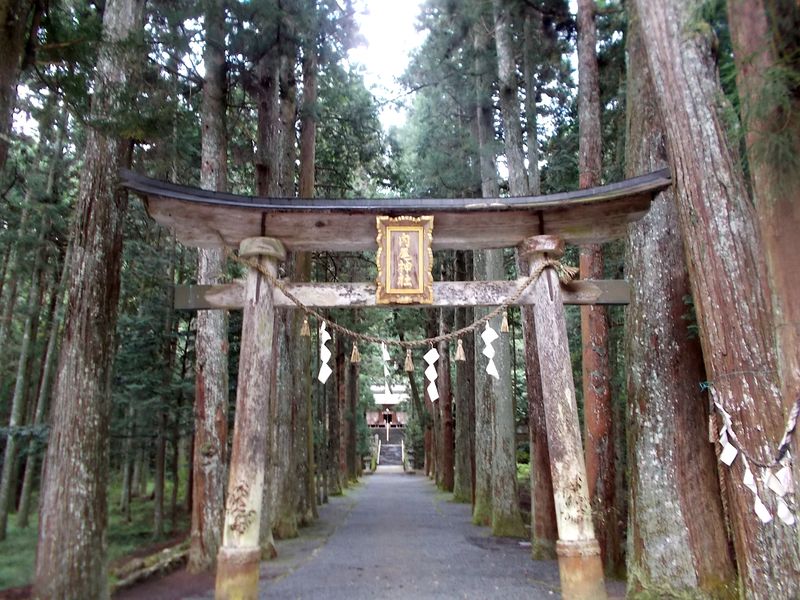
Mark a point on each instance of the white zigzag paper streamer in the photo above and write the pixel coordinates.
(762, 512)
(488, 336)
(780, 484)
(324, 354)
(431, 356)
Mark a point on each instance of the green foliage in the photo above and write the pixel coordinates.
(415, 442)
(523, 454)
(523, 473)
(18, 550)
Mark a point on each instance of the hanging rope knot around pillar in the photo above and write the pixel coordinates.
(255, 247)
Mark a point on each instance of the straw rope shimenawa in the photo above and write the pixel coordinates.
(565, 273)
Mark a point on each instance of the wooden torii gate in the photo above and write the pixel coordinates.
(265, 228)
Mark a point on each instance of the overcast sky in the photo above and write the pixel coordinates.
(389, 29)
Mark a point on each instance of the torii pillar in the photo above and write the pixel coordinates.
(239, 557)
(579, 562)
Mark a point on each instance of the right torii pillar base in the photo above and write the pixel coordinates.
(578, 553)
(581, 569)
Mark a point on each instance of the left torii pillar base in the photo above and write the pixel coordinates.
(238, 561)
(238, 572)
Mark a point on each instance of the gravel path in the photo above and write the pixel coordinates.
(397, 537)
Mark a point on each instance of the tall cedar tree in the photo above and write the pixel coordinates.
(677, 542)
(599, 434)
(71, 554)
(766, 48)
(506, 517)
(726, 264)
(486, 264)
(544, 531)
(211, 374)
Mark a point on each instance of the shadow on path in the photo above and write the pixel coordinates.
(395, 536)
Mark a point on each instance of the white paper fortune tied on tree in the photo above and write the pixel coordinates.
(431, 356)
(488, 336)
(324, 354)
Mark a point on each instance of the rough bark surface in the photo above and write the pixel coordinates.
(446, 407)
(352, 434)
(544, 529)
(677, 541)
(464, 394)
(531, 32)
(71, 553)
(765, 42)
(509, 100)
(484, 404)
(599, 433)
(211, 375)
(726, 270)
(507, 520)
(335, 402)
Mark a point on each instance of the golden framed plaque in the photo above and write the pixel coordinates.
(405, 260)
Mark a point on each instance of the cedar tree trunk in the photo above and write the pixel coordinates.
(730, 291)
(211, 375)
(71, 554)
(599, 434)
(677, 541)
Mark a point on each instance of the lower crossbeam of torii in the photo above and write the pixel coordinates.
(264, 229)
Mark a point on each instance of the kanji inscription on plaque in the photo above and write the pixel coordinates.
(404, 260)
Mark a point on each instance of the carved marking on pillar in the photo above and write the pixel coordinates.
(240, 517)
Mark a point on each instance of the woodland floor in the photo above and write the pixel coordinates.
(395, 536)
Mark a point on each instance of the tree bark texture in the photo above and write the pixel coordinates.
(268, 109)
(518, 186)
(335, 402)
(599, 433)
(544, 529)
(445, 387)
(531, 32)
(509, 100)
(484, 404)
(71, 553)
(677, 541)
(14, 17)
(288, 115)
(464, 395)
(211, 371)
(765, 43)
(726, 270)
(344, 431)
(283, 459)
(302, 263)
(352, 406)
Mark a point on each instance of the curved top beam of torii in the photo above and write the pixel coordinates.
(203, 219)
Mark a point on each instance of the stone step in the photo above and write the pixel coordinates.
(391, 454)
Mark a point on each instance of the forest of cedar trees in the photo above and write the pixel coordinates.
(117, 411)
